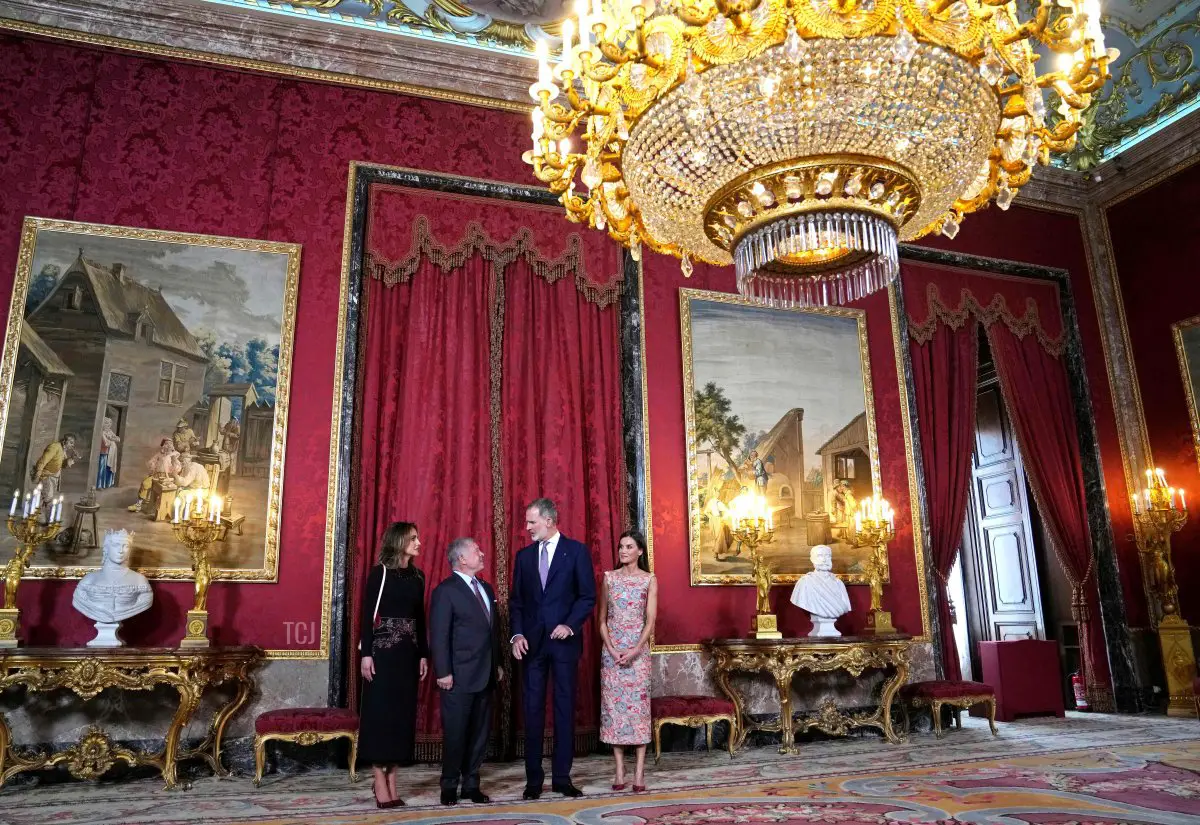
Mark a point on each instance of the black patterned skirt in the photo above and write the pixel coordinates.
(388, 711)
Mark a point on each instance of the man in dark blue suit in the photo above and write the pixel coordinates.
(553, 593)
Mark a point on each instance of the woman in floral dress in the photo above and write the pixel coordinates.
(627, 608)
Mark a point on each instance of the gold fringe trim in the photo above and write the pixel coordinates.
(995, 310)
(500, 255)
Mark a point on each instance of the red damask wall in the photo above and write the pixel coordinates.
(1156, 246)
(98, 136)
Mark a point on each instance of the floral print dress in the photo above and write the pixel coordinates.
(625, 690)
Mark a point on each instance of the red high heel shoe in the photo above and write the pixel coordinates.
(618, 786)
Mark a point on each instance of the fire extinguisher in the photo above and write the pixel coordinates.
(1081, 702)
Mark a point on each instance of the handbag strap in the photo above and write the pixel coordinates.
(379, 598)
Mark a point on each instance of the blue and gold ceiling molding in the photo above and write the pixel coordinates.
(1155, 81)
(508, 26)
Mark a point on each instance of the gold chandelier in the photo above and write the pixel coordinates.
(801, 140)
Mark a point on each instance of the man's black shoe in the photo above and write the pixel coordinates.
(477, 796)
(532, 793)
(567, 789)
(449, 798)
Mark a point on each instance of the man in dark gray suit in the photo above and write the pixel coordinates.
(464, 641)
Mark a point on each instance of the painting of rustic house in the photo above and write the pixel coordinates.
(142, 366)
(776, 402)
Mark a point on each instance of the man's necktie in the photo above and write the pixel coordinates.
(544, 564)
(482, 600)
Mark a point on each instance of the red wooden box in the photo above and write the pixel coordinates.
(1026, 676)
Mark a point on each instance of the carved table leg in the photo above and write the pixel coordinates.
(245, 685)
(783, 683)
(731, 693)
(5, 740)
(189, 698)
(890, 687)
(991, 711)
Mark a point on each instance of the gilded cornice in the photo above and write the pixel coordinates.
(270, 44)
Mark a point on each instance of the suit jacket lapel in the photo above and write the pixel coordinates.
(475, 599)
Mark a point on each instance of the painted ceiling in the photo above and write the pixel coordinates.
(1156, 80)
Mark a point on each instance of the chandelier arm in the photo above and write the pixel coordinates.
(1033, 27)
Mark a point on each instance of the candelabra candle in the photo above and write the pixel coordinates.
(749, 518)
(38, 523)
(874, 527)
(1157, 515)
(196, 525)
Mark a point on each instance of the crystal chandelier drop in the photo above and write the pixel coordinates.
(802, 140)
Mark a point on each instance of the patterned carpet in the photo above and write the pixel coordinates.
(1083, 769)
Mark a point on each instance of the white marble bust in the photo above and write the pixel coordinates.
(113, 593)
(822, 593)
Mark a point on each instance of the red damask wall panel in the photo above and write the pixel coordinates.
(110, 138)
(1156, 246)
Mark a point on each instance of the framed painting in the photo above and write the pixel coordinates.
(1187, 348)
(776, 401)
(139, 366)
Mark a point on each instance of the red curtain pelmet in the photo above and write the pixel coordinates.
(489, 371)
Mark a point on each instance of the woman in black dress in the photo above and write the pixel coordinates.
(395, 656)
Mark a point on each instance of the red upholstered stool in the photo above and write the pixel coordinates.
(957, 695)
(692, 712)
(304, 726)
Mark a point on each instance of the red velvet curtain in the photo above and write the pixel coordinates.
(489, 376)
(424, 438)
(945, 370)
(1026, 345)
(561, 397)
(1034, 383)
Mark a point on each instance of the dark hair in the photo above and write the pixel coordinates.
(643, 561)
(165, 441)
(395, 538)
(65, 436)
(545, 508)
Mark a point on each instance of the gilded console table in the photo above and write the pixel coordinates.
(87, 671)
(784, 658)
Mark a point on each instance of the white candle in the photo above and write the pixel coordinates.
(1182, 500)
(37, 499)
(25, 506)
(1171, 498)
(568, 36)
(176, 519)
(12, 511)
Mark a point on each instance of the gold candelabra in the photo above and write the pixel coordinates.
(1158, 511)
(874, 527)
(31, 524)
(197, 524)
(750, 523)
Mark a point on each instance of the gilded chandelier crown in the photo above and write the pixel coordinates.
(801, 140)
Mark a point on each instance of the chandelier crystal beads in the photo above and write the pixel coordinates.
(802, 140)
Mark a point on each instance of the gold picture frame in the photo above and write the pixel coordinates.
(811, 505)
(1185, 333)
(135, 296)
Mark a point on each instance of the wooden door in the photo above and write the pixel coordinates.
(999, 562)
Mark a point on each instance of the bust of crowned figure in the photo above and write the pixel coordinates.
(822, 593)
(113, 593)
